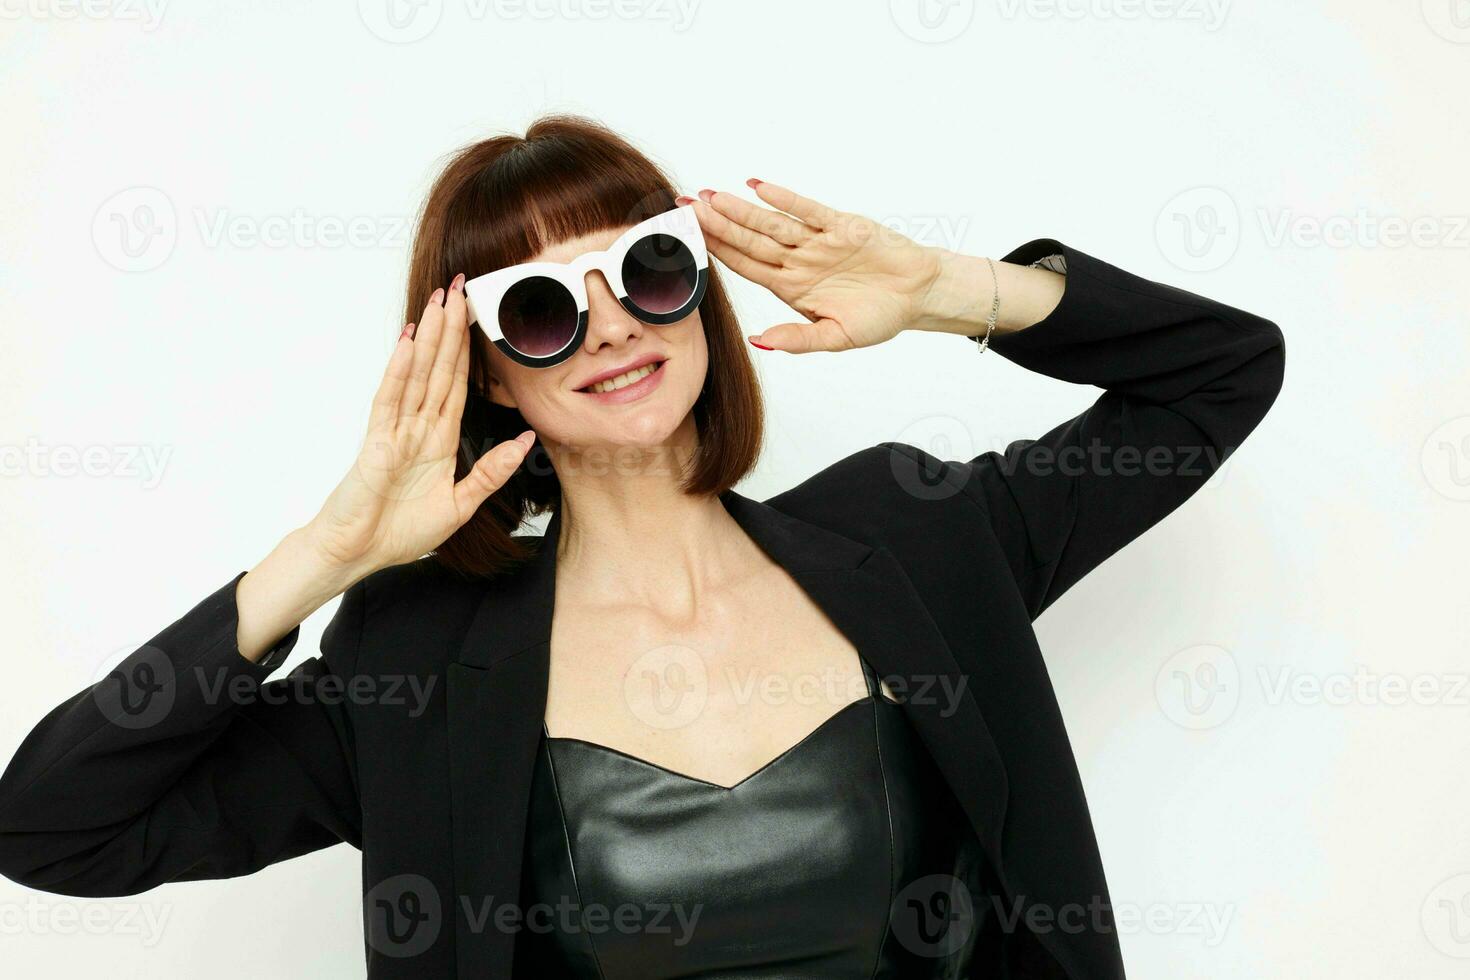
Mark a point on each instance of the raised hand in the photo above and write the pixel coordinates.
(857, 282)
(400, 499)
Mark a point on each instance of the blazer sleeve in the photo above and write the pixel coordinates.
(1185, 379)
(183, 763)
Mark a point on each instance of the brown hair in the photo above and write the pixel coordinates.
(501, 201)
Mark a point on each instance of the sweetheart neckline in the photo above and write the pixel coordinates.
(783, 754)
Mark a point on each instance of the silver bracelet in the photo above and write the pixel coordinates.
(994, 310)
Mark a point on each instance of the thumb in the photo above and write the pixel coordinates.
(803, 338)
(490, 473)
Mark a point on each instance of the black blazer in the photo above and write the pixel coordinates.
(183, 764)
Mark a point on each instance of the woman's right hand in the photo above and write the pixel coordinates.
(400, 499)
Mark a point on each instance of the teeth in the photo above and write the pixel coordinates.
(623, 380)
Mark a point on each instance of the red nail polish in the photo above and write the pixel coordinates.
(759, 344)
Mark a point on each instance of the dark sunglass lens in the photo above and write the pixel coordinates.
(659, 274)
(538, 316)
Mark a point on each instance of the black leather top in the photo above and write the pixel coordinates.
(846, 856)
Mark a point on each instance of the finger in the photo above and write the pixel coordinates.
(395, 375)
(425, 348)
(459, 390)
(741, 264)
(772, 224)
(752, 243)
(804, 338)
(490, 473)
(814, 213)
(451, 339)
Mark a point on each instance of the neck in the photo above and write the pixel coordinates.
(629, 534)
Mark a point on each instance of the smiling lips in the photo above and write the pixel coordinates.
(625, 379)
(633, 365)
(628, 386)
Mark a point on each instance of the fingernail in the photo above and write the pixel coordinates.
(752, 183)
(759, 344)
(438, 297)
(527, 438)
(407, 331)
(457, 284)
(683, 199)
(706, 194)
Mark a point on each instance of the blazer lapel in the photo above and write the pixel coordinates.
(868, 596)
(496, 696)
(496, 700)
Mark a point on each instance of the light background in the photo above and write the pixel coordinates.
(216, 386)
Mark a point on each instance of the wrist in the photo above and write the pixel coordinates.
(316, 568)
(282, 590)
(962, 294)
(959, 297)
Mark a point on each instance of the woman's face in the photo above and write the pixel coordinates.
(565, 406)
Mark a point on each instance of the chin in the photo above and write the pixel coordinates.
(646, 430)
(645, 427)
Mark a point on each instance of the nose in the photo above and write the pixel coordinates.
(608, 324)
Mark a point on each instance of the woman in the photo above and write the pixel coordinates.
(596, 752)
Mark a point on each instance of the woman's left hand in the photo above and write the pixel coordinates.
(858, 282)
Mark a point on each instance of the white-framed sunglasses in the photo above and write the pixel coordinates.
(536, 312)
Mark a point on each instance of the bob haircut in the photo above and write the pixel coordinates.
(499, 202)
